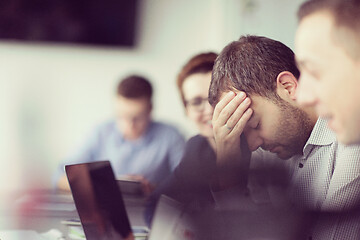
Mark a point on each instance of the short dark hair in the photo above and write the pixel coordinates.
(200, 63)
(252, 65)
(135, 86)
(346, 14)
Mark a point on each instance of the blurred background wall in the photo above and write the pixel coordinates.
(51, 95)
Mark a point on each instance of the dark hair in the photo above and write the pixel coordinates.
(252, 65)
(135, 87)
(345, 13)
(200, 63)
(311, 6)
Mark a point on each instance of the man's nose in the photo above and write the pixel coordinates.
(253, 139)
(130, 122)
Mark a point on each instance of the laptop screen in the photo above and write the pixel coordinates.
(98, 201)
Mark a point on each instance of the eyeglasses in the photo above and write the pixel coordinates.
(198, 104)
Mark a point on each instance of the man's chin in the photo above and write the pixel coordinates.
(348, 138)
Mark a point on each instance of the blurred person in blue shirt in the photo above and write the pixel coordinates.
(138, 148)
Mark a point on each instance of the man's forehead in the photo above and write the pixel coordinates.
(309, 33)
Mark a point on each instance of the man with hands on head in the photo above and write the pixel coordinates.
(253, 90)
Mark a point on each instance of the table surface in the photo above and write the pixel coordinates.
(43, 210)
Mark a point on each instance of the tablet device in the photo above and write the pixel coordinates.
(130, 187)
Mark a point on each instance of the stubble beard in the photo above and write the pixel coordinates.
(294, 129)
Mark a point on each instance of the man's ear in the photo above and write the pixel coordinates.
(286, 85)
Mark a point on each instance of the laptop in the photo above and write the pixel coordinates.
(99, 201)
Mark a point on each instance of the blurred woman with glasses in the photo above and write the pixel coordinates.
(193, 83)
(189, 183)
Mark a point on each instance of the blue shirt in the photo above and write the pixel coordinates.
(154, 156)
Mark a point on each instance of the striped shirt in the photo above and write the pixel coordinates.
(325, 178)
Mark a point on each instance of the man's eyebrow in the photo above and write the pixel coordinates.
(304, 62)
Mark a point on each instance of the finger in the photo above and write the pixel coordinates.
(230, 109)
(222, 103)
(238, 113)
(240, 125)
